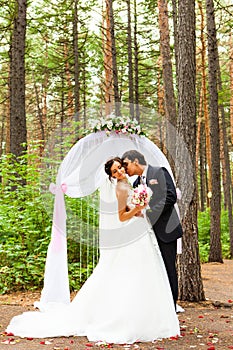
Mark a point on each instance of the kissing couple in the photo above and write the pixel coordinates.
(131, 294)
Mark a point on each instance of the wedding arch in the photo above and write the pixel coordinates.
(80, 174)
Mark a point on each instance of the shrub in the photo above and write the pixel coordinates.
(204, 234)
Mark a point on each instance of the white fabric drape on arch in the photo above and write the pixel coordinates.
(80, 174)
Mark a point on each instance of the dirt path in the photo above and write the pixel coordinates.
(203, 325)
(218, 280)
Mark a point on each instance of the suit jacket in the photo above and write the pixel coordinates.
(162, 214)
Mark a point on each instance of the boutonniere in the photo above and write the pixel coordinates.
(153, 182)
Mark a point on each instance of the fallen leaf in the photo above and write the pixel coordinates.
(8, 342)
(174, 337)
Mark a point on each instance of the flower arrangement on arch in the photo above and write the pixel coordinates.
(119, 125)
(141, 195)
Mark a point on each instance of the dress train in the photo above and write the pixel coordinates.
(126, 299)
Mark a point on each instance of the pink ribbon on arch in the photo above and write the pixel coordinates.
(56, 281)
(58, 239)
(53, 187)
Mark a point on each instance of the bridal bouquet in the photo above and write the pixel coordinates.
(141, 195)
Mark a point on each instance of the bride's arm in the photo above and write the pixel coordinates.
(125, 213)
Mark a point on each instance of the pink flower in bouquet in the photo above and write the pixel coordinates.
(141, 195)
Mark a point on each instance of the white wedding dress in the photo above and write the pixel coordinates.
(126, 299)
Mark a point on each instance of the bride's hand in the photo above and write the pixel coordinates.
(140, 208)
(139, 214)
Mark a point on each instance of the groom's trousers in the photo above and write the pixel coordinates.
(168, 251)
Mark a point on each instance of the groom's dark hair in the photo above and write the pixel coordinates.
(134, 154)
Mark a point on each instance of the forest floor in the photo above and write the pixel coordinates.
(204, 326)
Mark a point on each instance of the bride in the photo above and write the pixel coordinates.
(127, 298)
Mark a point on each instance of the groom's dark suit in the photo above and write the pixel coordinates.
(164, 219)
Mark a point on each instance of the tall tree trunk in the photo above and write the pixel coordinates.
(108, 69)
(2, 132)
(175, 35)
(202, 161)
(130, 61)
(161, 107)
(114, 60)
(170, 103)
(136, 59)
(18, 129)
(226, 168)
(231, 99)
(84, 89)
(169, 96)
(76, 64)
(70, 107)
(44, 98)
(231, 86)
(41, 131)
(198, 141)
(8, 117)
(204, 99)
(215, 202)
(190, 282)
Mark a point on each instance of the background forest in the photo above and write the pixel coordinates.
(63, 64)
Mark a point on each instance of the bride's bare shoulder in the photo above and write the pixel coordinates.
(122, 187)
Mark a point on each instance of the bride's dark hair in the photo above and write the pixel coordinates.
(108, 165)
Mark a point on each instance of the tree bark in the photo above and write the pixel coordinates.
(76, 65)
(231, 86)
(136, 70)
(114, 60)
(205, 99)
(175, 35)
(130, 62)
(170, 103)
(108, 69)
(190, 282)
(169, 95)
(215, 202)
(226, 168)
(202, 161)
(18, 129)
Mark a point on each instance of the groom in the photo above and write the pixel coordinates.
(162, 214)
